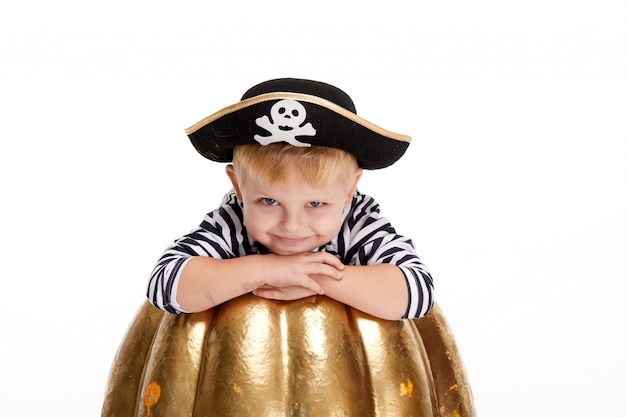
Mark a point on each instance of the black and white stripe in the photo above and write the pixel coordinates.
(364, 239)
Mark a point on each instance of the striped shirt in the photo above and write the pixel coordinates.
(365, 238)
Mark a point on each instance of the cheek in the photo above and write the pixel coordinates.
(256, 223)
(250, 219)
(330, 223)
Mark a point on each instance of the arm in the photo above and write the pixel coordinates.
(218, 238)
(206, 282)
(379, 290)
(383, 290)
(386, 279)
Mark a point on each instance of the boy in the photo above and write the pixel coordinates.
(294, 224)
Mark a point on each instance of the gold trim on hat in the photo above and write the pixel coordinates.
(299, 97)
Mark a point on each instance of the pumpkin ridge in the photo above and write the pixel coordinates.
(204, 358)
(325, 366)
(450, 382)
(401, 380)
(141, 383)
(174, 364)
(126, 375)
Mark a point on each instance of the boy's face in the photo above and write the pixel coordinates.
(295, 218)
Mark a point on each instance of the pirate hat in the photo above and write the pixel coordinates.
(301, 113)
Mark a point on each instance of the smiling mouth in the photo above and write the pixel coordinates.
(291, 240)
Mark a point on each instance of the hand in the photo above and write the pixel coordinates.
(284, 293)
(297, 271)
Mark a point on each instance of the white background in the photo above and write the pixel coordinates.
(513, 187)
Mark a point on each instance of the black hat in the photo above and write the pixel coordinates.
(301, 113)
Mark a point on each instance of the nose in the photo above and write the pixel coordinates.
(291, 221)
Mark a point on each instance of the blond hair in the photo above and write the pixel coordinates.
(317, 165)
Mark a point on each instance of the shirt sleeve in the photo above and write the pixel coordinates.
(370, 239)
(220, 235)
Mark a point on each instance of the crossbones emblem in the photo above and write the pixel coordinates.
(287, 118)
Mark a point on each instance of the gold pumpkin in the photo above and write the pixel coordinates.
(311, 357)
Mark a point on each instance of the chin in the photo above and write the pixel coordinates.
(287, 252)
(281, 250)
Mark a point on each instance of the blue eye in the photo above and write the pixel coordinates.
(269, 201)
(316, 204)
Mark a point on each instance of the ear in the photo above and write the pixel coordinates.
(352, 189)
(230, 171)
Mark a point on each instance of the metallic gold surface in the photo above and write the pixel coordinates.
(310, 357)
(452, 387)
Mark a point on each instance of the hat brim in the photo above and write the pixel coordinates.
(215, 136)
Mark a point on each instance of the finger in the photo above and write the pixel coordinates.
(267, 293)
(285, 293)
(315, 257)
(327, 270)
(331, 260)
(266, 287)
(314, 286)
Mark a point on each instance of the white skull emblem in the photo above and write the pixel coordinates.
(287, 118)
(288, 114)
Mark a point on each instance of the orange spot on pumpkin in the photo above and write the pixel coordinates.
(406, 390)
(151, 396)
